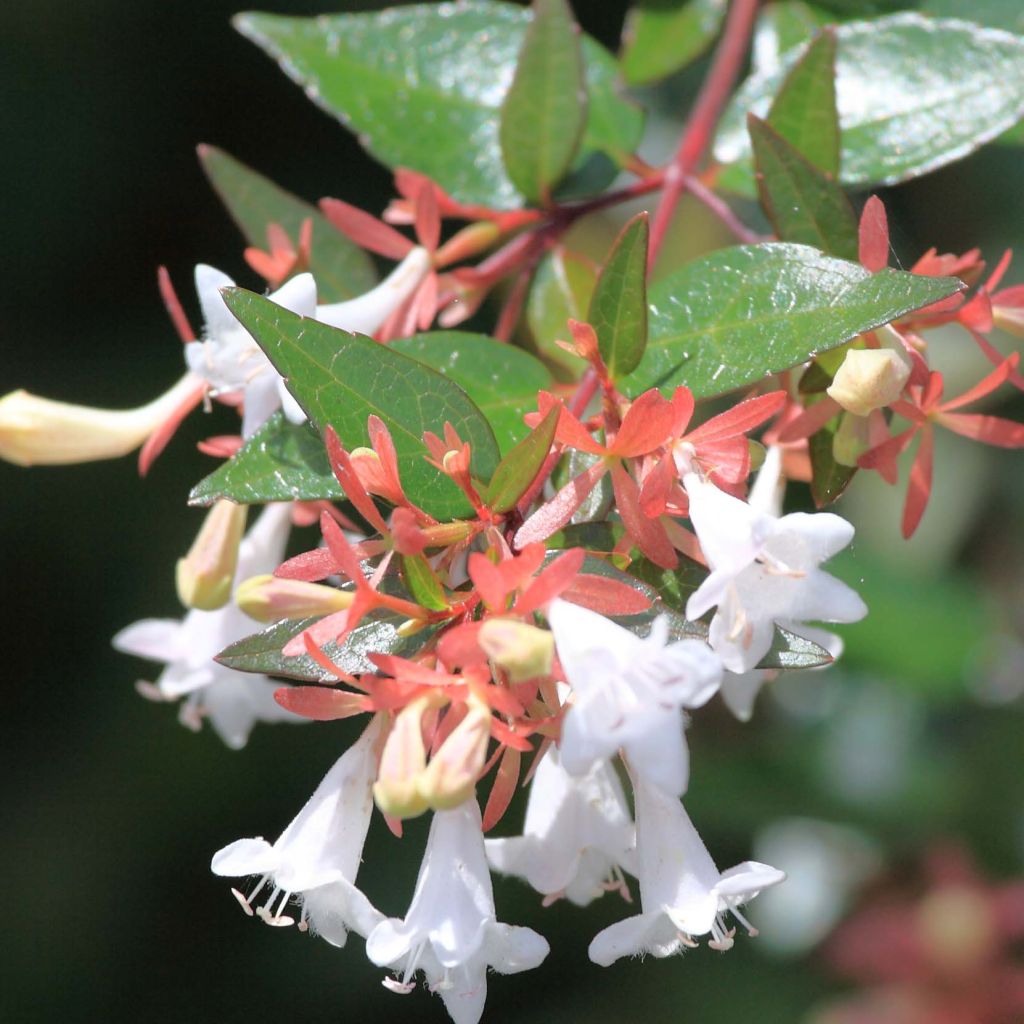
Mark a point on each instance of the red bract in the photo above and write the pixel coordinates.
(284, 259)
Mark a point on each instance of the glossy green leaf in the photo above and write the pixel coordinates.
(663, 36)
(804, 204)
(341, 268)
(502, 380)
(517, 470)
(377, 634)
(913, 94)
(422, 85)
(545, 109)
(561, 289)
(1004, 14)
(282, 461)
(618, 307)
(772, 306)
(780, 27)
(804, 109)
(423, 585)
(340, 379)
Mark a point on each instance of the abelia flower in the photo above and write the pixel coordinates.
(450, 931)
(578, 836)
(628, 692)
(682, 893)
(764, 571)
(316, 858)
(233, 701)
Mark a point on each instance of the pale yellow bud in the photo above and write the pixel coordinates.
(851, 440)
(523, 651)
(204, 576)
(1009, 319)
(269, 599)
(402, 763)
(869, 379)
(450, 778)
(36, 431)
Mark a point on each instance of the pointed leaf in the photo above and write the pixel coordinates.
(544, 112)
(804, 109)
(517, 470)
(618, 308)
(781, 26)
(773, 306)
(913, 93)
(828, 478)
(341, 268)
(423, 84)
(422, 583)
(340, 379)
(803, 204)
(502, 381)
(663, 36)
(561, 290)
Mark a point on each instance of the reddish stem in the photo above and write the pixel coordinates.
(721, 209)
(715, 91)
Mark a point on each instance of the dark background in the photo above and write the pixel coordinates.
(111, 810)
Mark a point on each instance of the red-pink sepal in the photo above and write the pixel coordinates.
(648, 534)
(366, 230)
(873, 236)
(606, 596)
(159, 439)
(321, 703)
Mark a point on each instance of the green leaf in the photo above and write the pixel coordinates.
(339, 379)
(517, 470)
(378, 634)
(502, 380)
(282, 461)
(772, 306)
(561, 289)
(938, 90)
(828, 478)
(545, 109)
(618, 307)
(663, 36)
(803, 204)
(341, 268)
(804, 109)
(1004, 14)
(780, 27)
(422, 86)
(424, 586)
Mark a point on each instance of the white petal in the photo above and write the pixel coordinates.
(155, 639)
(297, 295)
(746, 880)
(235, 701)
(389, 942)
(660, 755)
(465, 993)
(810, 538)
(510, 948)
(641, 933)
(244, 857)
(740, 690)
(586, 640)
(261, 401)
(216, 314)
(291, 408)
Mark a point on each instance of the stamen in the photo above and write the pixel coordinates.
(403, 988)
(751, 930)
(552, 898)
(243, 902)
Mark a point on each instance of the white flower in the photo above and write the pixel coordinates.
(764, 571)
(233, 701)
(450, 931)
(317, 856)
(682, 893)
(231, 361)
(578, 835)
(629, 692)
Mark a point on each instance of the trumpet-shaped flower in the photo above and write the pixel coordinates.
(577, 838)
(629, 692)
(233, 701)
(682, 893)
(764, 571)
(450, 931)
(316, 858)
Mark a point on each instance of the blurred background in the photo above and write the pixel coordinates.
(853, 780)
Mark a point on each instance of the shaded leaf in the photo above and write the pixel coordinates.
(618, 307)
(772, 306)
(913, 94)
(502, 380)
(423, 84)
(828, 478)
(780, 27)
(423, 585)
(340, 379)
(341, 268)
(561, 289)
(517, 470)
(803, 204)
(545, 109)
(663, 36)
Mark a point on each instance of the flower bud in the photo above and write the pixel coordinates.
(269, 599)
(869, 379)
(204, 576)
(523, 651)
(1009, 319)
(450, 778)
(402, 763)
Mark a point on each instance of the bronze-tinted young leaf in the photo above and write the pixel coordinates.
(282, 461)
(772, 306)
(618, 307)
(339, 379)
(422, 583)
(422, 86)
(939, 89)
(544, 112)
(560, 291)
(517, 470)
(804, 204)
(341, 268)
(377, 634)
(663, 36)
(804, 109)
(502, 380)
